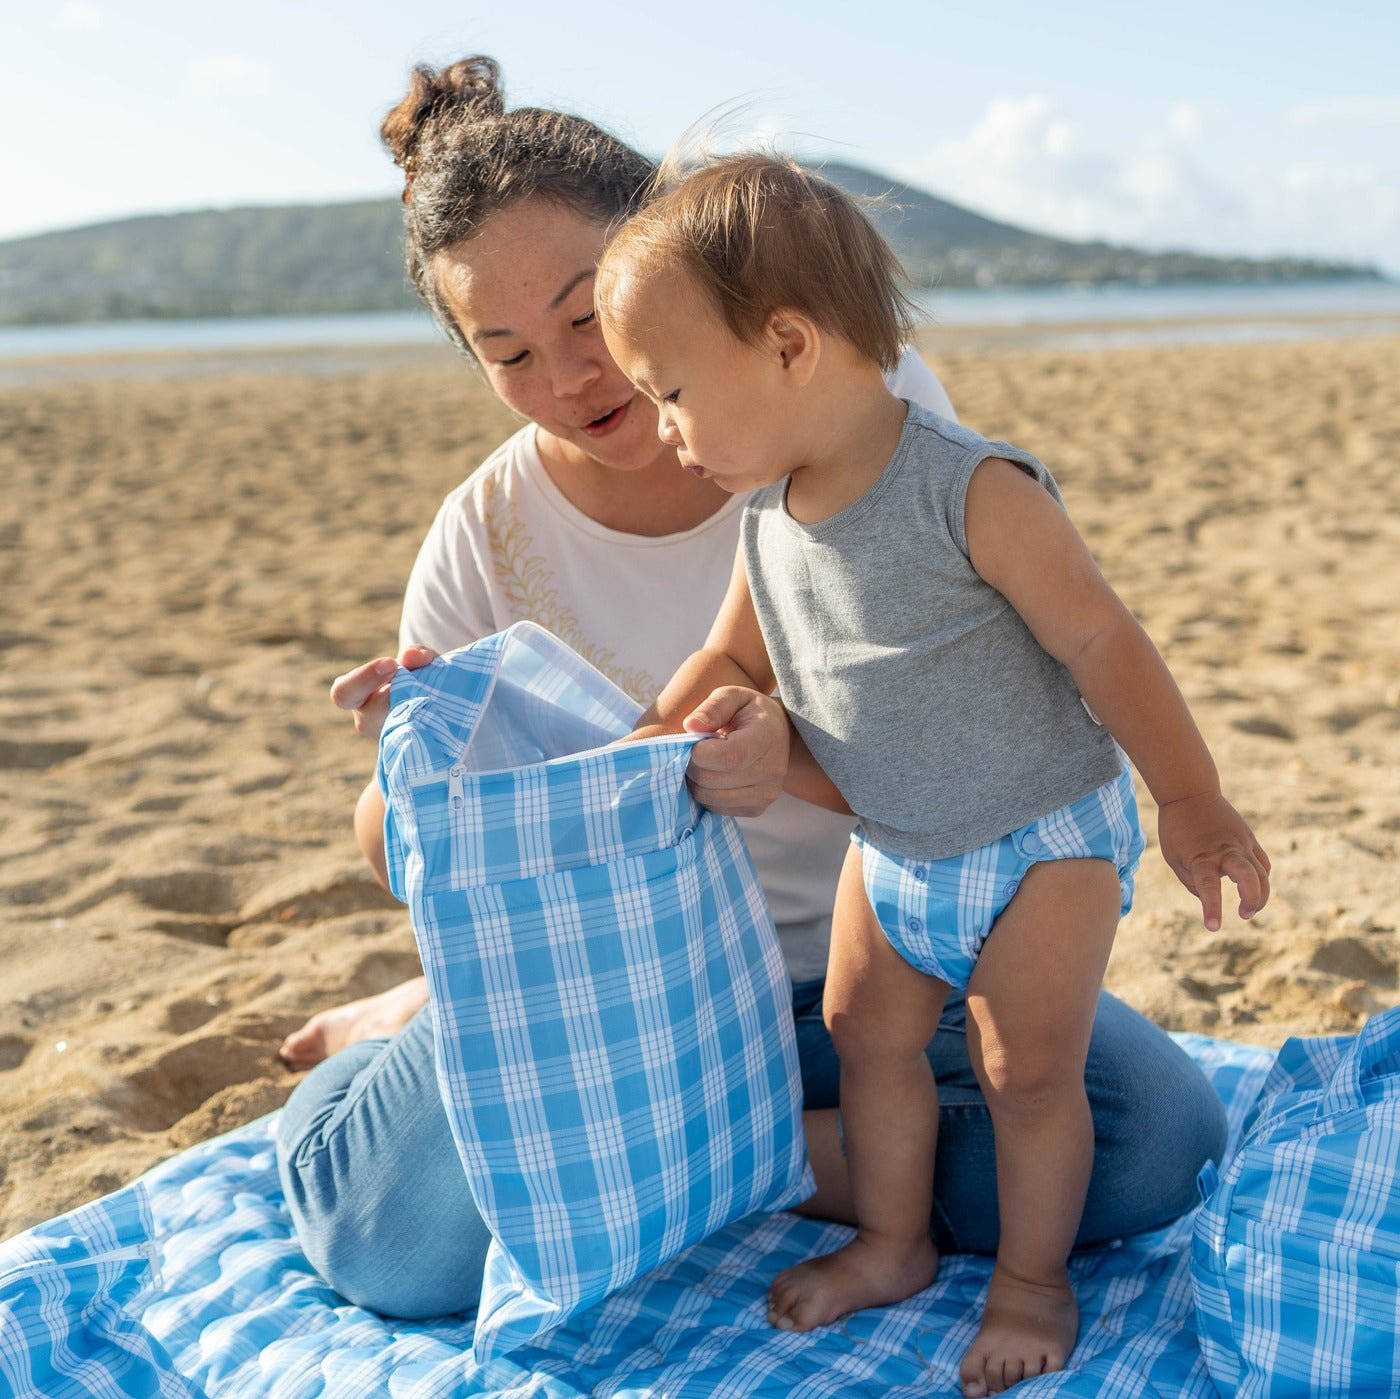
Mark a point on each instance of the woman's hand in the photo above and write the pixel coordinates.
(741, 771)
(1204, 839)
(365, 690)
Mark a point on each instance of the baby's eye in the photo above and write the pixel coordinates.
(514, 359)
(673, 397)
(585, 320)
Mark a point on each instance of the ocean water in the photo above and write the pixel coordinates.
(1050, 317)
(351, 330)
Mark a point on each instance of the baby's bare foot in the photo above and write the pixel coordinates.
(1027, 1329)
(330, 1031)
(863, 1274)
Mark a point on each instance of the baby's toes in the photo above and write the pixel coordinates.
(975, 1388)
(795, 1301)
(783, 1297)
(1013, 1371)
(973, 1375)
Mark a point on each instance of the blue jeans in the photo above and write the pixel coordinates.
(383, 1212)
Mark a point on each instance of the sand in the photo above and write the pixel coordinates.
(186, 563)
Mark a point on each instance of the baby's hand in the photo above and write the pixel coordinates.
(741, 769)
(1204, 839)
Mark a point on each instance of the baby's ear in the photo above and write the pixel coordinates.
(796, 340)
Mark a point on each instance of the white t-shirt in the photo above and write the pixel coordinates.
(508, 546)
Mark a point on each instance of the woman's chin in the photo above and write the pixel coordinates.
(649, 457)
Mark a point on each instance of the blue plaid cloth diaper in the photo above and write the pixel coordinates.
(937, 913)
(612, 1014)
(1295, 1261)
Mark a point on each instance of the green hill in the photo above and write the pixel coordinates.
(262, 261)
(346, 257)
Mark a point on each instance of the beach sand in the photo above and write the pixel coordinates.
(186, 563)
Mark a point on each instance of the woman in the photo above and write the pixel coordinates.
(583, 522)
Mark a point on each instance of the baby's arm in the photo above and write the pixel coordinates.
(725, 689)
(1023, 544)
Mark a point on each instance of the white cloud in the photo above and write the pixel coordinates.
(1359, 207)
(226, 75)
(80, 15)
(1188, 121)
(1347, 109)
(1028, 161)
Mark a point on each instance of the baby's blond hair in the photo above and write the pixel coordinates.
(757, 234)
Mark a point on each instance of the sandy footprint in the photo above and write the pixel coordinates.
(14, 1050)
(185, 1014)
(315, 895)
(1357, 959)
(37, 755)
(155, 1095)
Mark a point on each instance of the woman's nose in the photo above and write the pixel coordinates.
(574, 373)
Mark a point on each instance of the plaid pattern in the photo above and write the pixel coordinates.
(937, 913)
(1296, 1257)
(612, 1015)
(242, 1315)
(70, 1294)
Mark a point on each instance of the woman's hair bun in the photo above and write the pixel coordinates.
(470, 83)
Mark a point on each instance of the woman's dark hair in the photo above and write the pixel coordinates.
(464, 157)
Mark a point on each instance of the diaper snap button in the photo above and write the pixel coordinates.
(1032, 843)
(914, 925)
(1009, 888)
(920, 873)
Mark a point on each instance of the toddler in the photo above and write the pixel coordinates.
(960, 676)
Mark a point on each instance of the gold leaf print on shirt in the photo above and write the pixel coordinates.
(528, 584)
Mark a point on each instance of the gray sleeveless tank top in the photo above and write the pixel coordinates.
(915, 684)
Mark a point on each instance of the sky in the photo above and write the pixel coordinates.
(1225, 127)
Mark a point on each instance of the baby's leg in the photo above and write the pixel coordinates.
(1031, 1004)
(882, 1014)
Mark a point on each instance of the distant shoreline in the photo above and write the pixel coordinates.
(1107, 289)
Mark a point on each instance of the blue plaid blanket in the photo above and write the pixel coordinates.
(190, 1283)
(1297, 1251)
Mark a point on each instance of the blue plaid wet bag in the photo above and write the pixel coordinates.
(1296, 1255)
(612, 1014)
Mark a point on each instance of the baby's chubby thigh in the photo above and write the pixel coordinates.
(878, 1004)
(1033, 992)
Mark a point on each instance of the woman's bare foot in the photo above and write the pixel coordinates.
(1027, 1329)
(330, 1031)
(863, 1274)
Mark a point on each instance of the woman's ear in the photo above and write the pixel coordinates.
(797, 342)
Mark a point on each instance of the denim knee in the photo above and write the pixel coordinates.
(1157, 1121)
(374, 1184)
